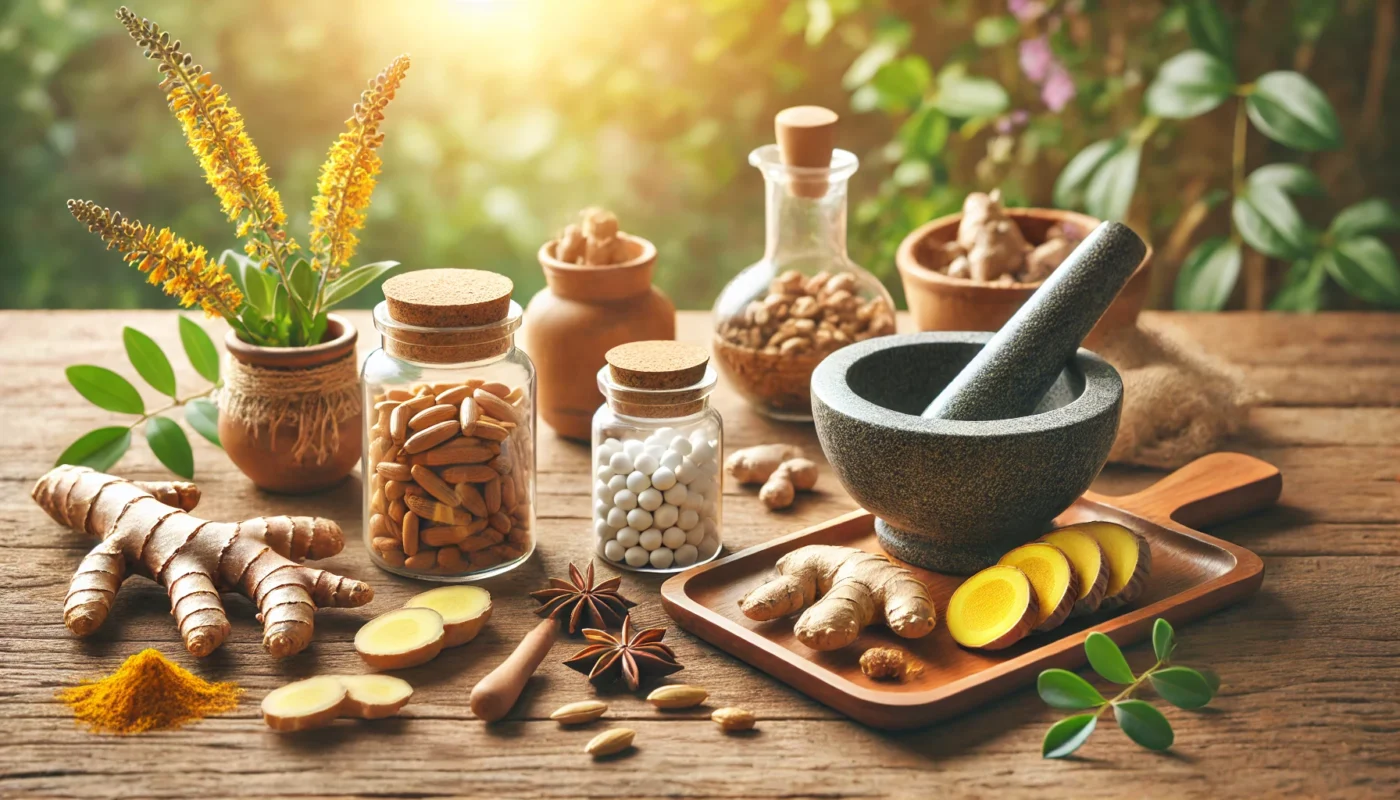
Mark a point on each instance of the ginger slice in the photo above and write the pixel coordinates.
(1053, 578)
(402, 638)
(1090, 566)
(301, 705)
(993, 609)
(374, 696)
(1129, 560)
(464, 610)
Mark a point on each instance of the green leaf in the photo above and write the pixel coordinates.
(1064, 689)
(106, 389)
(1291, 178)
(1183, 687)
(1209, 30)
(1190, 84)
(1291, 110)
(1107, 659)
(203, 416)
(149, 360)
(1311, 17)
(1208, 276)
(901, 84)
(1143, 724)
(961, 95)
(1065, 736)
(1368, 216)
(1163, 640)
(1074, 178)
(168, 442)
(1366, 268)
(819, 21)
(99, 449)
(1110, 191)
(925, 133)
(1302, 287)
(351, 282)
(1270, 223)
(869, 62)
(996, 31)
(258, 285)
(199, 349)
(1212, 680)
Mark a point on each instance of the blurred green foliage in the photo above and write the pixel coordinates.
(517, 114)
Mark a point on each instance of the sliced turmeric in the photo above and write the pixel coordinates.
(1090, 566)
(993, 609)
(1129, 561)
(1052, 577)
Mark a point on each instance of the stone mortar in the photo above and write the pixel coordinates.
(953, 495)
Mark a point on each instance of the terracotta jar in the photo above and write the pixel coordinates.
(585, 312)
(289, 417)
(940, 303)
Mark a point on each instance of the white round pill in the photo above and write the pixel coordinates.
(686, 555)
(703, 486)
(613, 550)
(663, 478)
(637, 557)
(625, 500)
(664, 435)
(627, 537)
(665, 516)
(646, 463)
(673, 537)
(600, 509)
(617, 483)
(639, 519)
(621, 463)
(695, 535)
(649, 499)
(604, 454)
(603, 530)
(681, 445)
(637, 481)
(604, 473)
(651, 539)
(708, 547)
(711, 530)
(686, 472)
(689, 518)
(661, 558)
(633, 448)
(671, 460)
(703, 452)
(709, 469)
(602, 492)
(677, 494)
(617, 518)
(694, 500)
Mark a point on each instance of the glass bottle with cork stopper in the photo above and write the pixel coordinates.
(450, 429)
(805, 298)
(657, 449)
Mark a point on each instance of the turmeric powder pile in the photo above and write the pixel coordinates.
(148, 693)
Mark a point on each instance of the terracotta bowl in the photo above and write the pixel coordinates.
(940, 303)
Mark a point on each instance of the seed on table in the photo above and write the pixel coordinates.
(677, 695)
(580, 712)
(731, 719)
(610, 742)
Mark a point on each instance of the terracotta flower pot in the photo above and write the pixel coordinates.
(585, 312)
(940, 303)
(274, 449)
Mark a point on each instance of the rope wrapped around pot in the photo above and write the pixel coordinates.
(313, 401)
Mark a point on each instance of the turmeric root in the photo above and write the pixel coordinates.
(146, 528)
(853, 585)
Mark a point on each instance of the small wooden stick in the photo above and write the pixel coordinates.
(494, 695)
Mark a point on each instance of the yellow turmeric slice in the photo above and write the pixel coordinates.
(1129, 561)
(993, 609)
(1053, 579)
(1090, 566)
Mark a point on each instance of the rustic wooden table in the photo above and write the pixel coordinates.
(1311, 665)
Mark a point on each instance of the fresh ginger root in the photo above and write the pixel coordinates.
(592, 242)
(853, 586)
(319, 701)
(758, 463)
(889, 664)
(990, 246)
(792, 476)
(146, 528)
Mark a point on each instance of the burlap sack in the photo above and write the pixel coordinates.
(1179, 402)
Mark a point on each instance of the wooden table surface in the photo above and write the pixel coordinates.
(1311, 665)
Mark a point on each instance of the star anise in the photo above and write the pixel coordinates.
(632, 657)
(583, 603)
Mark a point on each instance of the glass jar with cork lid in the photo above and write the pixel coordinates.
(450, 429)
(657, 449)
(805, 298)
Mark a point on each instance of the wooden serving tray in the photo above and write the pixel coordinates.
(1193, 574)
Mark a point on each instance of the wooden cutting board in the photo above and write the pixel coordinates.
(1193, 574)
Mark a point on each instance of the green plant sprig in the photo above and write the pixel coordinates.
(103, 447)
(1183, 687)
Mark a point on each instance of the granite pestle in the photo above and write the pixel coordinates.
(1014, 370)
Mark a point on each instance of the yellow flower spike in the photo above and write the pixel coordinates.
(172, 263)
(347, 177)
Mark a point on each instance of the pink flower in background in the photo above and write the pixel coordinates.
(1058, 88)
(1036, 58)
(1025, 10)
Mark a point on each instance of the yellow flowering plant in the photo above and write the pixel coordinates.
(276, 293)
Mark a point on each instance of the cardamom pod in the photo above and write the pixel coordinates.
(733, 719)
(580, 712)
(678, 695)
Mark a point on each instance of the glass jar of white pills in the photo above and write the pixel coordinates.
(657, 450)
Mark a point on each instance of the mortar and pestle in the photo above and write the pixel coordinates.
(1020, 423)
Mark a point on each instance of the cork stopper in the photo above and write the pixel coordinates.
(448, 298)
(665, 379)
(806, 136)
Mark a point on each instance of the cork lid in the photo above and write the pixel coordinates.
(657, 365)
(448, 298)
(806, 136)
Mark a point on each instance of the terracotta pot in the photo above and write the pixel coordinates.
(585, 312)
(266, 455)
(940, 303)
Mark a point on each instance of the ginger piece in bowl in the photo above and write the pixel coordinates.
(593, 241)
